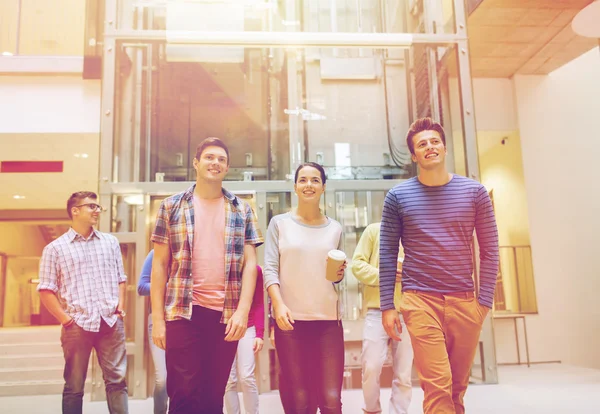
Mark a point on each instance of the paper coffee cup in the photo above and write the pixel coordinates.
(336, 259)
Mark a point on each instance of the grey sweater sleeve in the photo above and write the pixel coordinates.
(271, 270)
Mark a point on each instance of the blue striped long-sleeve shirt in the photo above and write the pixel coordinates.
(435, 225)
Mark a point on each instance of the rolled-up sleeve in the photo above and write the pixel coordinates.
(161, 227)
(49, 273)
(253, 234)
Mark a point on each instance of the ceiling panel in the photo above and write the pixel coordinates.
(496, 17)
(524, 36)
(565, 17)
(521, 50)
(565, 35)
(538, 17)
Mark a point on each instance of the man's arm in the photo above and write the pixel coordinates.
(258, 305)
(361, 266)
(389, 244)
(237, 324)
(48, 285)
(487, 237)
(158, 282)
(50, 301)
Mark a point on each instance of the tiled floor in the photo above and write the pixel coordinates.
(547, 389)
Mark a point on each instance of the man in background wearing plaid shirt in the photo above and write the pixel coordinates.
(82, 283)
(202, 283)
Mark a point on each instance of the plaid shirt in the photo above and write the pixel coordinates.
(85, 275)
(175, 226)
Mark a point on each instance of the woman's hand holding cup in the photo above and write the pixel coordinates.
(336, 265)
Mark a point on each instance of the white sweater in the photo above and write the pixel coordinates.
(296, 259)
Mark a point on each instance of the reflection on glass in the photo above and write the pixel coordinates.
(9, 10)
(377, 16)
(22, 306)
(124, 212)
(38, 27)
(515, 287)
(128, 254)
(278, 203)
(355, 211)
(349, 114)
(346, 108)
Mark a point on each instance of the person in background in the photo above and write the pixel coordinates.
(244, 363)
(161, 399)
(309, 334)
(365, 263)
(82, 284)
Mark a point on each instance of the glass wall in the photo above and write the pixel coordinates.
(348, 16)
(275, 106)
(185, 71)
(42, 28)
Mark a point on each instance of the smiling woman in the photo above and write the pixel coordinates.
(309, 334)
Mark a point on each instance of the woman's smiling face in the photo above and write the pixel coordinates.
(309, 184)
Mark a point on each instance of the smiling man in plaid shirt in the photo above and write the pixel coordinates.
(202, 283)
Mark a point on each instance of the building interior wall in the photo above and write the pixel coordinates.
(50, 28)
(48, 104)
(558, 124)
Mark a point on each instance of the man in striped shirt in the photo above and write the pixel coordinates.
(202, 283)
(435, 215)
(82, 283)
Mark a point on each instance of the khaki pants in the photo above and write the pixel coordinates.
(444, 331)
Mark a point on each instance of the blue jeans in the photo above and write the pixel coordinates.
(109, 344)
(311, 359)
(160, 372)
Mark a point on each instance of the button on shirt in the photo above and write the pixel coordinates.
(85, 275)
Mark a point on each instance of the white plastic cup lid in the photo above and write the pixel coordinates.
(337, 255)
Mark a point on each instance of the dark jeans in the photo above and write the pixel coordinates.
(312, 367)
(109, 344)
(198, 363)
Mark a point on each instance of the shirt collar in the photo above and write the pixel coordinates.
(188, 195)
(72, 234)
